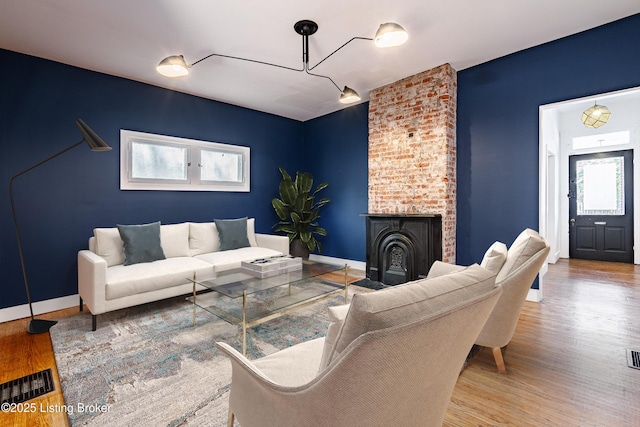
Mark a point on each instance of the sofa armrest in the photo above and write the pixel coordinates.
(272, 241)
(92, 280)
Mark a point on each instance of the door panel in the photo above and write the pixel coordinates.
(601, 206)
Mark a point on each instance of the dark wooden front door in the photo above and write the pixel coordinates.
(601, 206)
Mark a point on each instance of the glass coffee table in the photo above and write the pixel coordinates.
(242, 299)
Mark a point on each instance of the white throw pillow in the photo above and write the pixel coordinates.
(495, 257)
(174, 239)
(109, 245)
(528, 243)
(337, 314)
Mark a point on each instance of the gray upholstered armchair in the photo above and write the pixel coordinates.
(390, 358)
(516, 269)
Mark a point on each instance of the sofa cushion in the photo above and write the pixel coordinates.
(521, 250)
(233, 233)
(126, 280)
(109, 245)
(293, 366)
(495, 257)
(174, 239)
(410, 302)
(141, 243)
(226, 260)
(203, 238)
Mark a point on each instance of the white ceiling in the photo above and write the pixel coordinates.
(128, 38)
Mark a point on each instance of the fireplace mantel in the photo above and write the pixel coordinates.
(401, 215)
(402, 247)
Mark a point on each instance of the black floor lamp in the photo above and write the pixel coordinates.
(37, 326)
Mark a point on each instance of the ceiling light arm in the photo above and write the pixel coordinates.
(388, 35)
(244, 59)
(327, 57)
(326, 77)
(305, 59)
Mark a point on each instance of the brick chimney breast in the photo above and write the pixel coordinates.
(412, 149)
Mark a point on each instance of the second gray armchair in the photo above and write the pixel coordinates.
(516, 269)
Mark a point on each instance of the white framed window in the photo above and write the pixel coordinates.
(160, 162)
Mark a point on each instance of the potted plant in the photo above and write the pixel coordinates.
(298, 212)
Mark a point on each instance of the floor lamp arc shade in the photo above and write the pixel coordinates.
(96, 143)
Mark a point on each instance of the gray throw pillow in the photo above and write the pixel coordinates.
(233, 233)
(141, 243)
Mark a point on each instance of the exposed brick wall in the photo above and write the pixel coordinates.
(412, 149)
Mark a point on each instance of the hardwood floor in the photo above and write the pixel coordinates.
(23, 354)
(566, 363)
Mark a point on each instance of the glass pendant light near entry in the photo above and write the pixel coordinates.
(596, 116)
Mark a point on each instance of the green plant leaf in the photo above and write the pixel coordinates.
(304, 182)
(281, 209)
(288, 192)
(320, 231)
(284, 173)
(320, 187)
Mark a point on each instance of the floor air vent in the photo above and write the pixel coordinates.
(633, 358)
(26, 388)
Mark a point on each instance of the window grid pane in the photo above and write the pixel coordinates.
(220, 166)
(600, 186)
(158, 161)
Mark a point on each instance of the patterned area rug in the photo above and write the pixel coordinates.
(148, 365)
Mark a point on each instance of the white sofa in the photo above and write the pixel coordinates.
(106, 284)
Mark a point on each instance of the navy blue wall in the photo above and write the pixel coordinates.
(497, 129)
(59, 203)
(336, 151)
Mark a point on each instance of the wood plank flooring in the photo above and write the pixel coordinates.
(566, 363)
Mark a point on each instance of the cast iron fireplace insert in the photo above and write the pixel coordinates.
(402, 247)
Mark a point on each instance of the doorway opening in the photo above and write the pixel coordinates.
(559, 126)
(601, 206)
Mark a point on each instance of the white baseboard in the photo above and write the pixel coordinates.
(22, 311)
(360, 265)
(534, 295)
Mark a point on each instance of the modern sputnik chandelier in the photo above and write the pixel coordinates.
(388, 35)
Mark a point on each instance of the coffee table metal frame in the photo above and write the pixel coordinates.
(238, 283)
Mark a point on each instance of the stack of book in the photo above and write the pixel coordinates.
(267, 267)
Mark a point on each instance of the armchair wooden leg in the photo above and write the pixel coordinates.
(497, 355)
(231, 418)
